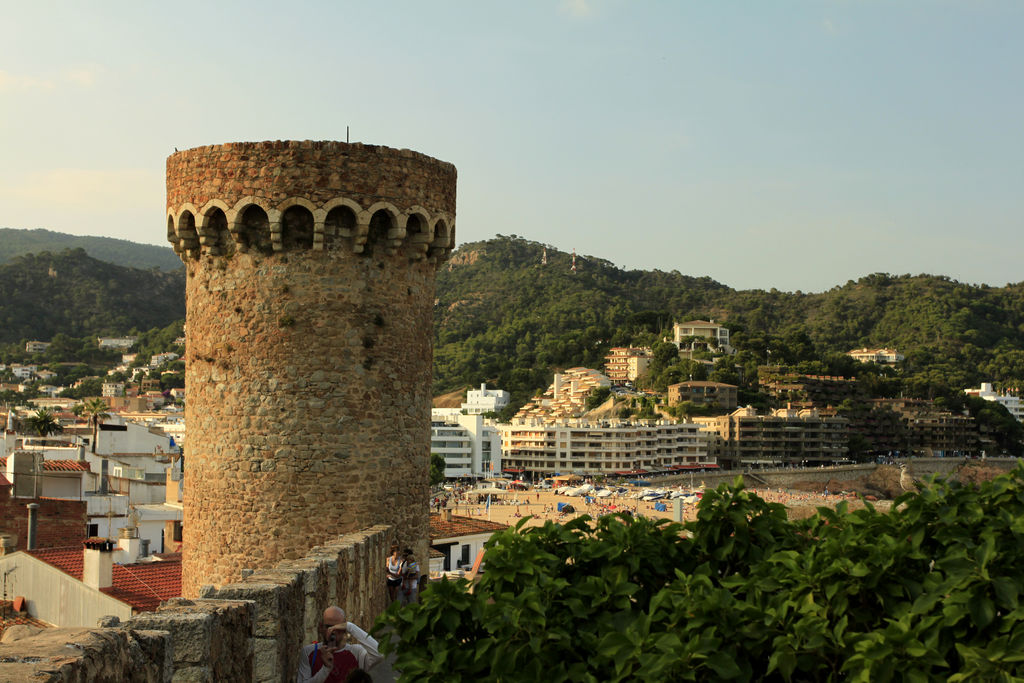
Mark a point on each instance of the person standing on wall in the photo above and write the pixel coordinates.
(394, 572)
(334, 656)
(410, 578)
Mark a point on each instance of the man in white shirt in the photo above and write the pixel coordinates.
(331, 659)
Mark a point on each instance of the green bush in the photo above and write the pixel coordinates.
(927, 591)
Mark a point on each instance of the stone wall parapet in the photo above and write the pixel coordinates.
(270, 197)
(250, 630)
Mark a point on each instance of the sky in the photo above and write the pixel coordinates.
(791, 144)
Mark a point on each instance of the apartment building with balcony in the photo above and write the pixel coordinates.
(808, 391)
(930, 431)
(710, 334)
(880, 356)
(717, 394)
(784, 437)
(541, 447)
(469, 444)
(566, 397)
(624, 364)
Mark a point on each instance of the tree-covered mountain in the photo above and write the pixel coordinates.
(74, 294)
(505, 316)
(15, 242)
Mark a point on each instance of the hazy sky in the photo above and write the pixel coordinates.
(788, 144)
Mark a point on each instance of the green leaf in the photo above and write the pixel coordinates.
(981, 608)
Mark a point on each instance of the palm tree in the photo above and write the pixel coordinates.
(44, 422)
(96, 409)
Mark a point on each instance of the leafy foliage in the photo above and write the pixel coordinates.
(929, 590)
(44, 422)
(436, 469)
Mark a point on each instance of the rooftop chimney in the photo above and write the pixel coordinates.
(448, 515)
(103, 477)
(8, 544)
(129, 544)
(98, 566)
(33, 525)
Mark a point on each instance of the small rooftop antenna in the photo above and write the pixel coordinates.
(346, 135)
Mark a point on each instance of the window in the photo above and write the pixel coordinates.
(92, 530)
(465, 555)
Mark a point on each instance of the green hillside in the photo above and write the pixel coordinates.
(503, 317)
(15, 242)
(72, 293)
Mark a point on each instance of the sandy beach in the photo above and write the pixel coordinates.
(542, 506)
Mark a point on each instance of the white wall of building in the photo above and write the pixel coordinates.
(459, 548)
(56, 597)
(470, 445)
(1011, 403)
(484, 400)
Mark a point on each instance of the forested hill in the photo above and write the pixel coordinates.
(504, 317)
(72, 293)
(15, 242)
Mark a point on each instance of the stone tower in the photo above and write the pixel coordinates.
(310, 293)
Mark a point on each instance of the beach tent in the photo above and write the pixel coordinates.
(489, 491)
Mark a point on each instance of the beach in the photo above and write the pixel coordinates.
(541, 506)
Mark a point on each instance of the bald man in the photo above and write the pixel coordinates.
(333, 657)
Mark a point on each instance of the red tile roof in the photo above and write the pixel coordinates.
(143, 586)
(59, 465)
(461, 526)
(3, 481)
(8, 617)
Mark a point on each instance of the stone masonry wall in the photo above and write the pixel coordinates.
(308, 334)
(251, 630)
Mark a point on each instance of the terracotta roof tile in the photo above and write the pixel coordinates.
(143, 586)
(461, 526)
(59, 465)
(3, 481)
(8, 617)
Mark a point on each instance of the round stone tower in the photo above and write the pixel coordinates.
(308, 345)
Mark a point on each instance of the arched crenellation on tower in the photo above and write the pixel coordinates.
(308, 345)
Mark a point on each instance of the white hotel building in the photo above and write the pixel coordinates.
(470, 445)
(535, 447)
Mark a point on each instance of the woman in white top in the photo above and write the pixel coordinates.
(394, 566)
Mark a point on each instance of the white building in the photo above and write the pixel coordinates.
(111, 389)
(715, 335)
(879, 356)
(159, 359)
(23, 371)
(459, 539)
(533, 447)
(1011, 403)
(470, 445)
(485, 400)
(116, 342)
(76, 586)
(36, 346)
